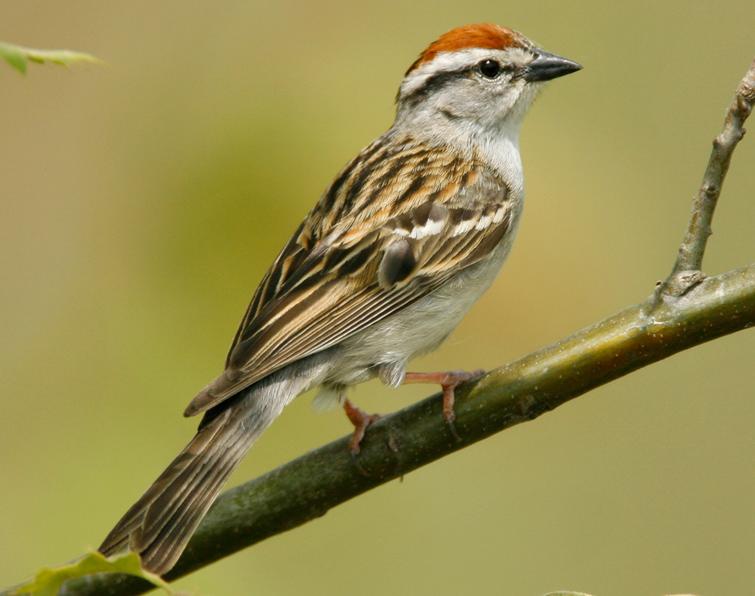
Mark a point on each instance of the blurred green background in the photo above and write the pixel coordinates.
(141, 202)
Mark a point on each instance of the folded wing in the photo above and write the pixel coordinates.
(398, 222)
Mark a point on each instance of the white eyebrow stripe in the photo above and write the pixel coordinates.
(443, 61)
(459, 60)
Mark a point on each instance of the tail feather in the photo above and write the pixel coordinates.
(159, 553)
(160, 523)
(130, 527)
(189, 478)
(181, 527)
(158, 526)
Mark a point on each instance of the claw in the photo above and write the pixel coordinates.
(361, 420)
(448, 382)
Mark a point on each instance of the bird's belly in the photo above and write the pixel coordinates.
(417, 329)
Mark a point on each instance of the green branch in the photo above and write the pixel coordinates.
(686, 310)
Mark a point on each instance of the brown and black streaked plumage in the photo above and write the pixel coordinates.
(409, 234)
(383, 236)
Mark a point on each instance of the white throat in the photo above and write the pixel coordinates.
(498, 145)
(500, 150)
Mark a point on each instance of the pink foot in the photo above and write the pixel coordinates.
(361, 420)
(448, 382)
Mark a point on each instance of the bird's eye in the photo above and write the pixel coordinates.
(490, 69)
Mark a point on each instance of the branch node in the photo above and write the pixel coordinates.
(675, 286)
(711, 190)
(684, 281)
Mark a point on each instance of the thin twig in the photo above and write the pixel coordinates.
(687, 268)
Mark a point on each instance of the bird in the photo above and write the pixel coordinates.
(401, 244)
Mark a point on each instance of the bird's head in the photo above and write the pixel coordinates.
(477, 75)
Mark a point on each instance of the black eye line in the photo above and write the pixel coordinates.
(436, 81)
(440, 79)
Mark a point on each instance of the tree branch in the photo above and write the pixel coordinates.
(686, 310)
(686, 272)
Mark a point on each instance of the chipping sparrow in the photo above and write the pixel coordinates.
(410, 233)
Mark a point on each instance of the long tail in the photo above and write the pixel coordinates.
(159, 525)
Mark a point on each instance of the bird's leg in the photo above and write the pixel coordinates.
(448, 382)
(361, 420)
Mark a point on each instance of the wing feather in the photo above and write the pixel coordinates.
(397, 223)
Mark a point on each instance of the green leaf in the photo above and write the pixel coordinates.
(49, 581)
(19, 57)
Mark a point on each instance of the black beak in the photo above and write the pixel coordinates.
(547, 66)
